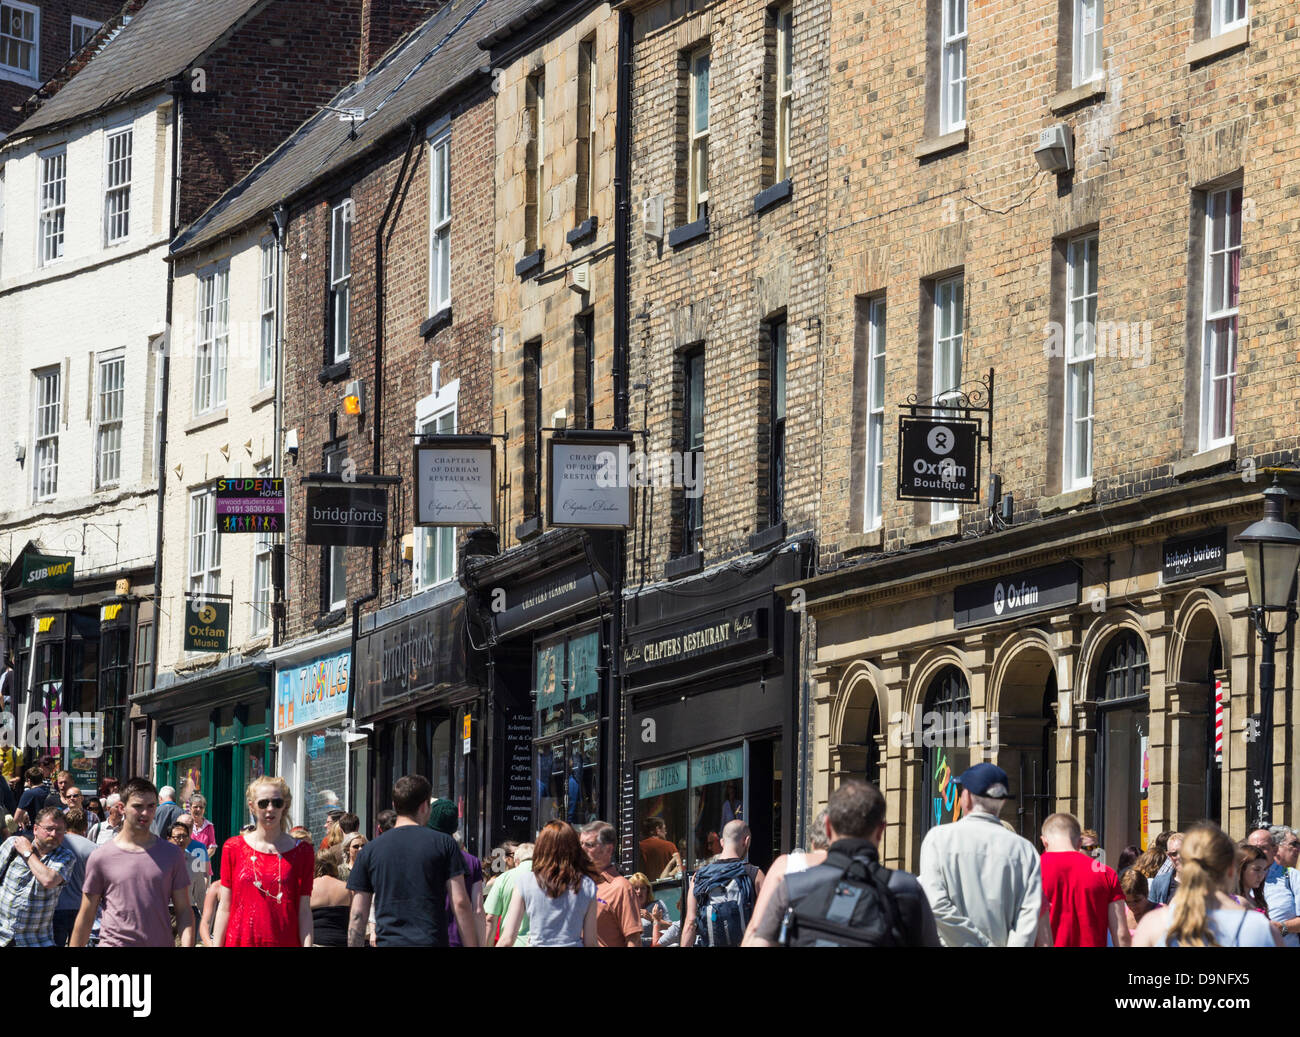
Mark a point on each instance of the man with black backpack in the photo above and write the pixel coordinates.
(849, 900)
(721, 899)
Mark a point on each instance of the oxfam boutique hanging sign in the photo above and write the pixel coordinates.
(1017, 594)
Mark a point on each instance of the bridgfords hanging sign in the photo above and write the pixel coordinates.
(1017, 594)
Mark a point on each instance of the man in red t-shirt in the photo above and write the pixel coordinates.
(1082, 895)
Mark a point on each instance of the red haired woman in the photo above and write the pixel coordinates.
(558, 895)
(266, 877)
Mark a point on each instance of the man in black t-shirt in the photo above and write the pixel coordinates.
(32, 801)
(407, 875)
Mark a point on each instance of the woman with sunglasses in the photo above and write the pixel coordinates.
(266, 877)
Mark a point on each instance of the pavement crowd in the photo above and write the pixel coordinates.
(132, 866)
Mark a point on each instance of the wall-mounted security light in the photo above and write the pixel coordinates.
(1055, 151)
(354, 399)
(560, 419)
(20, 451)
(291, 444)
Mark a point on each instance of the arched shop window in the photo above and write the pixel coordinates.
(945, 735)
(1120, 768)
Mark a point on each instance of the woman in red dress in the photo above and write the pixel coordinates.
(266, 877)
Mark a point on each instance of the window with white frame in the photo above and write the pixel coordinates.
(439, 223)
(1080, 357)
(262, 550)
(109, 396)
(1087, 41)
(53, 202)
(117, 186)
(83, 31)
(336, 572)
(213, 341)
(267, 304)
(435, 554)
(49, 414)
(784, 87)
(20, 35)
(340, 278)
(875, 413)
(698, 173)
(1219, 335)
(1227, 15)
(946, 383)
(205, 543)
(952, 95)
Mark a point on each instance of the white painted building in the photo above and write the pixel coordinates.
(83, 290)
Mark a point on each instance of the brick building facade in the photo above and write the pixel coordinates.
(1134, 310)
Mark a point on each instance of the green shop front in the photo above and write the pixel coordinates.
(213, 735)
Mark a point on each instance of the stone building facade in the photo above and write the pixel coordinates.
(1134, 310)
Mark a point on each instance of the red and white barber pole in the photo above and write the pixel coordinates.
(1218, 722)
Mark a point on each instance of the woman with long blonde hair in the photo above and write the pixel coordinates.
(266, 876)
(1202, 913)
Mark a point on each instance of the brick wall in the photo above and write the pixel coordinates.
(384, 22)
(720, 291)
(462, 348)
(55, 50)
(266, 80)
(1164, 127)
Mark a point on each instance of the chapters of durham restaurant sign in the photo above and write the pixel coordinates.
(417, 654)
(705, 636)
(1016, 594)
(1197, 555)
(455, 481)
(588, 485)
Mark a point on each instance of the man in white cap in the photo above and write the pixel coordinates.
(983, 881)
(107, 830)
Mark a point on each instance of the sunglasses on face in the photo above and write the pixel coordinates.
(277, 803)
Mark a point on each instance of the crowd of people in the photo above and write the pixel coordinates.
(133, 866)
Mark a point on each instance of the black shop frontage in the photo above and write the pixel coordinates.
(420, 698)
(711, 693)
(544, 609)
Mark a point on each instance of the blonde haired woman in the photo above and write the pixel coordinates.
(1202, 914)
(266, 877)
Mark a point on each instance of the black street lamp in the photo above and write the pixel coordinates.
(1271, 553)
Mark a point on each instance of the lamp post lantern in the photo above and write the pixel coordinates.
(1271, 553)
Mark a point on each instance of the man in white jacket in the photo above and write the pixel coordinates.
(981, 879)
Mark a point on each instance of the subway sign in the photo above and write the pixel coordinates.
(47, 572)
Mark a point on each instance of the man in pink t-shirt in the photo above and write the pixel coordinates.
(1082, 895)
(136, 876)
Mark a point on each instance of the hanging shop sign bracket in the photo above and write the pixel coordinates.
(939, 444)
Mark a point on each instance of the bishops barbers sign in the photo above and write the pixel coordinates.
(938, 459)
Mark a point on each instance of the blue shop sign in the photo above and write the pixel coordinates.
(312, 692)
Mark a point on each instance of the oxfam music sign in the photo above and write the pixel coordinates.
(1018, 594)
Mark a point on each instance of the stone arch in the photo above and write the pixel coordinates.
(1095, 642)
(1022, 725)
(858, 724)
(1111, 736)
(930, 663)
(1200, 644)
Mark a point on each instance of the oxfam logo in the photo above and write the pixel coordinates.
(999, 599)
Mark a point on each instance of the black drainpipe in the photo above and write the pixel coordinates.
(616, 752)
(377, 411)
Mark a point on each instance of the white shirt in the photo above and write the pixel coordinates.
(983, 883)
